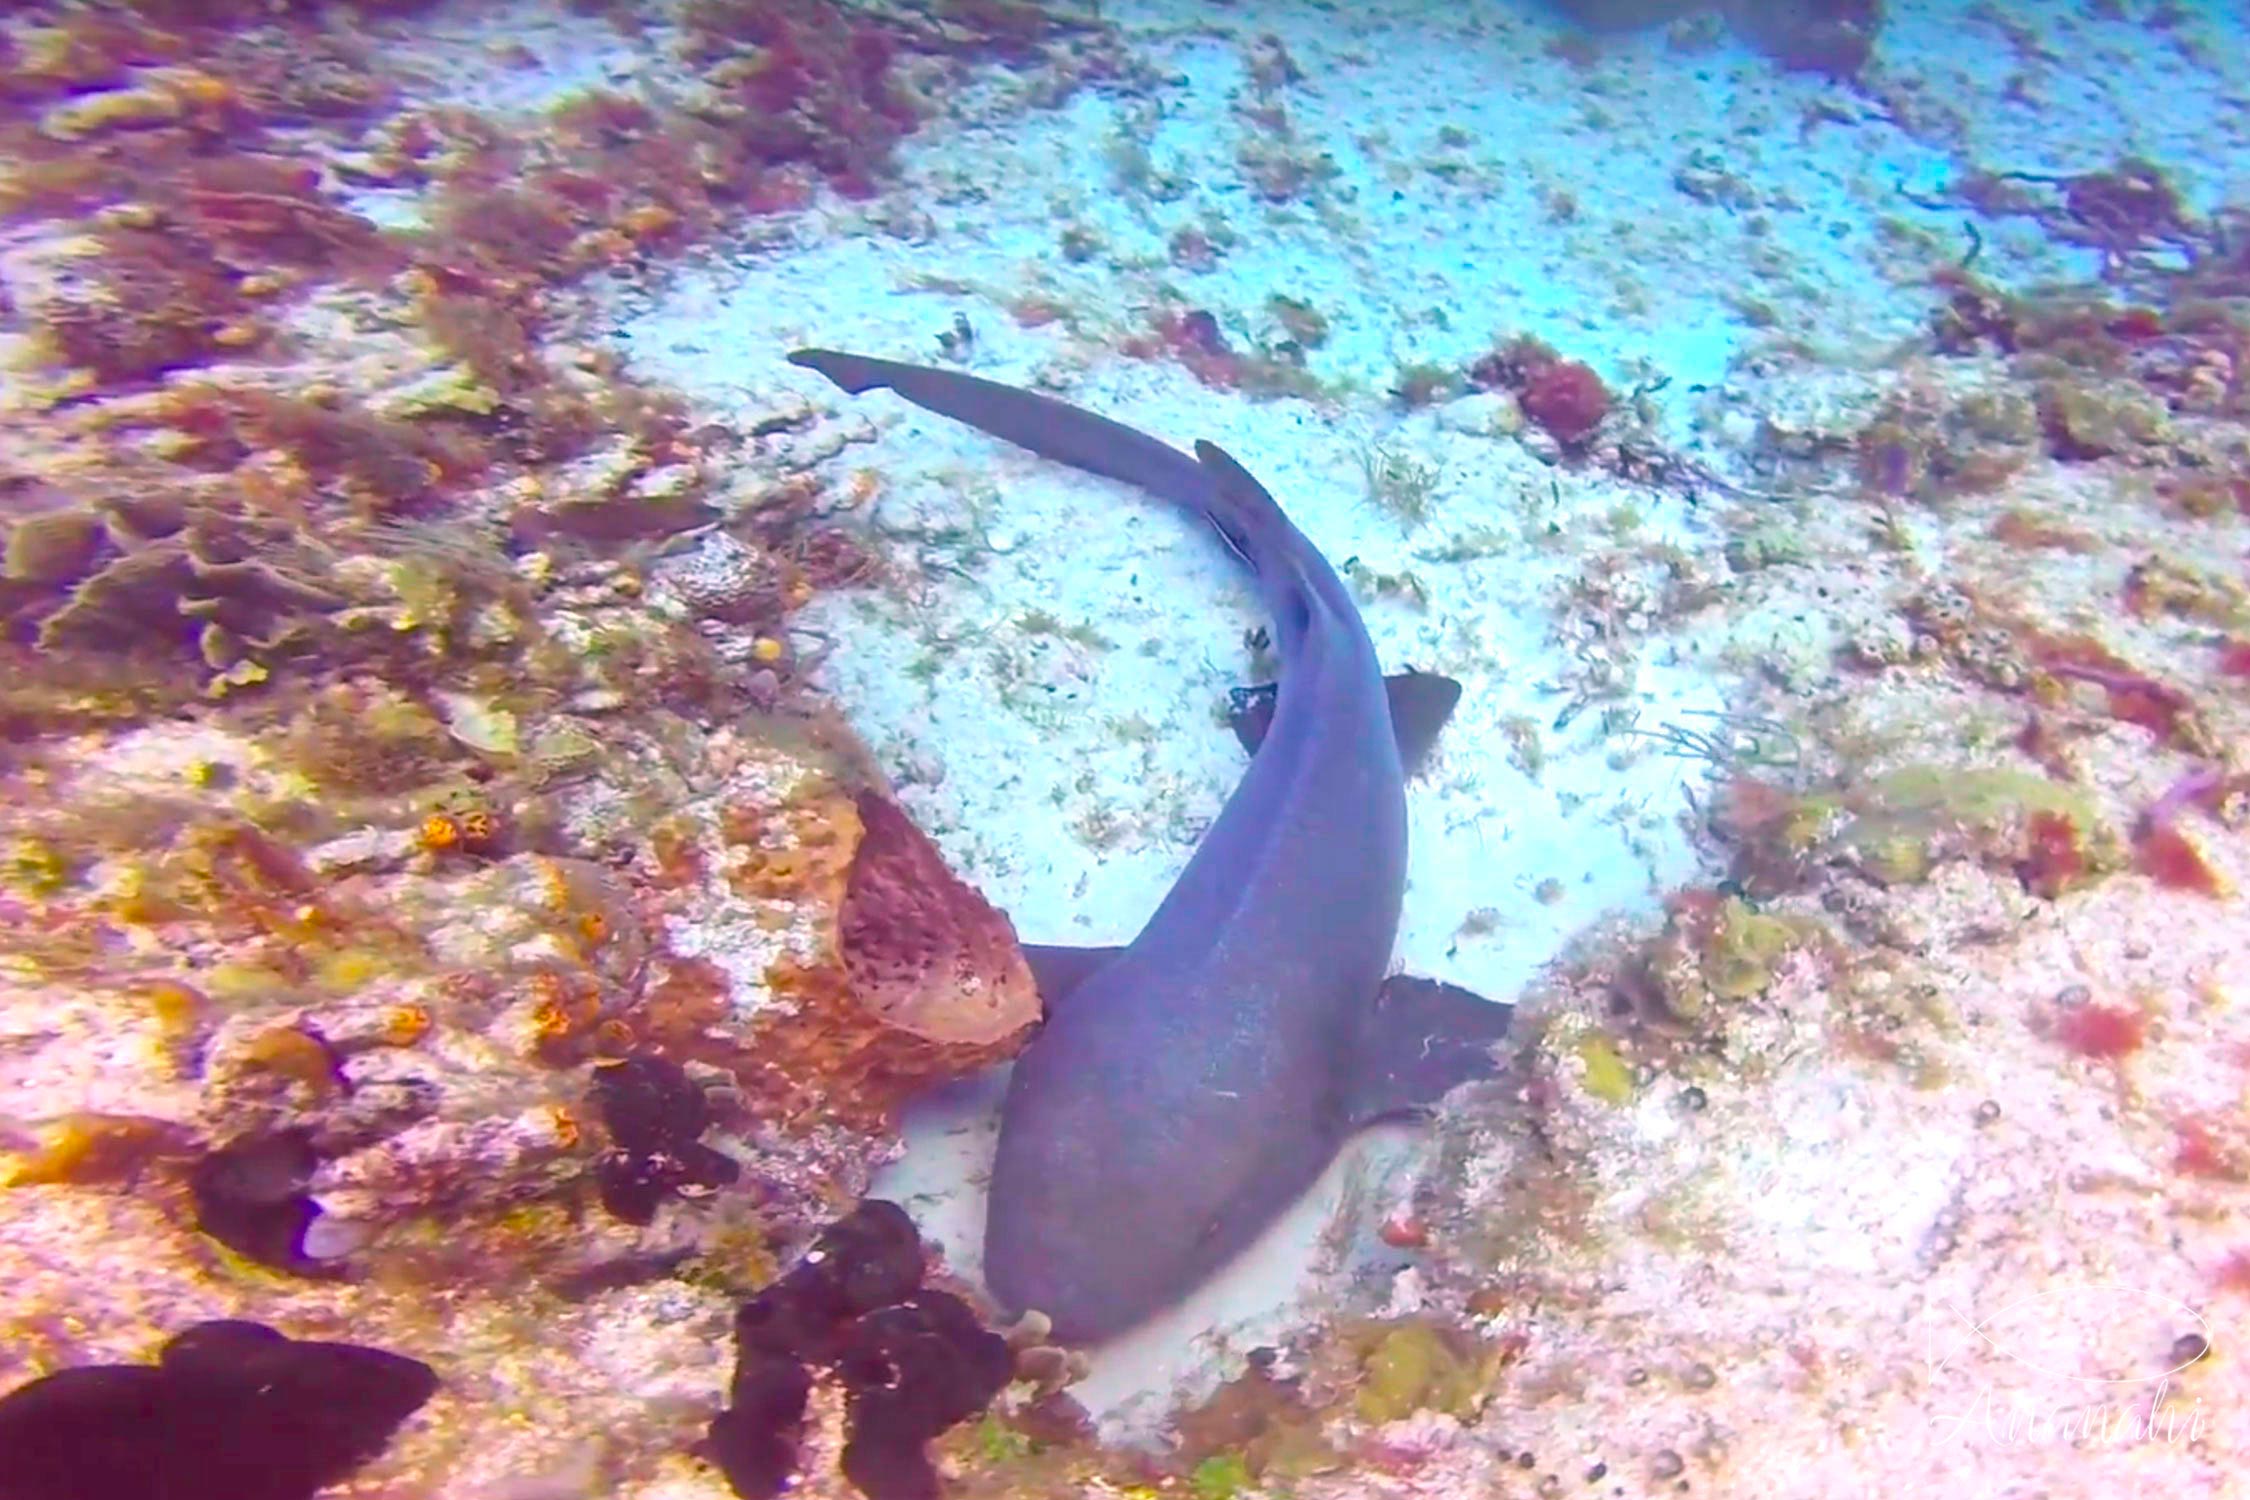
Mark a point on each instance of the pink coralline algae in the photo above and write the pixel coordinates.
(1567, 399)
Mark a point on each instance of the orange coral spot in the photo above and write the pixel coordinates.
(2101, 1031)
(176, 1006)
(2054, 855)
(2169, 857)
(648, 221)
(2027, 530)
(479, 827)
(405, 1025)
(554, 885)
(593, 927)
(91, 1147)
(567, 1130)
(294, 1053)
(437, 832)
(774, 873)
(2198, 1152)
(551, 1019)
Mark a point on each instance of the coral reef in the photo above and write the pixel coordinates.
(390, 1044)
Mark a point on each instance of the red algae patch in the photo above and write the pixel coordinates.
(2105, 1032)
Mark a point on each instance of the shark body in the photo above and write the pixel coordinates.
(1187, 1087)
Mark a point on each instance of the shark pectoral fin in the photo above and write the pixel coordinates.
(1421, 702)
(1250, 713)
(1059, 970)
(1420, 1040)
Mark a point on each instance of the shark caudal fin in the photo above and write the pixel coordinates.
(1050, 428)
(1211, 484)
(850, 373)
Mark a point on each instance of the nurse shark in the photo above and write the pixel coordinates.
(1187, 1087)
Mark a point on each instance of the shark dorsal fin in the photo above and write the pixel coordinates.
(1421, 702)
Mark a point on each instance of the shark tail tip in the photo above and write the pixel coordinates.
(850, 373)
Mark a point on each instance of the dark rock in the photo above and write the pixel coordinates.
(230, 1409)
(874, 1255)
(649, 1104)
(654, 1112)
(252, 1197)
(1626, 15)
(914, 1370)
(884, 1468)
(912, 1363)
(1835, 37)
(794, 1317)
(754, 1441)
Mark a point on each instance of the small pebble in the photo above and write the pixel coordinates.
(2188, 1348)
(1699, 1377)
(1988, 1111)
(1693, 1099)
(919, 767)
(330, 1238)
(1667, 1465)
